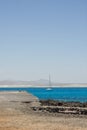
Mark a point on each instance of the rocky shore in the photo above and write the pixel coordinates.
(63, 103)
(23, 111)
(52, 106)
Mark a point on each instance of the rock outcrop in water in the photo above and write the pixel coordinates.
(62, 103)
(52, 106)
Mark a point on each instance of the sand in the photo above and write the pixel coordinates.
(20, 121)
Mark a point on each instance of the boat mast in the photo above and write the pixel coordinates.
(49, 81)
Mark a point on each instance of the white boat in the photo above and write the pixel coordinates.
(50, 87)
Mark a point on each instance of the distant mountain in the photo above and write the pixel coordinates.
(41, 82)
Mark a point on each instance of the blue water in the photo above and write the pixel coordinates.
(64, 94)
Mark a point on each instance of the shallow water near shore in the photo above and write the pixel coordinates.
(64, 94)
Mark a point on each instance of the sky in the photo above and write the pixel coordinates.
(38, 37)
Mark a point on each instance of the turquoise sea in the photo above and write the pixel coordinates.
(64, 94)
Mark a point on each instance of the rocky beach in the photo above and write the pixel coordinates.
(23, 111)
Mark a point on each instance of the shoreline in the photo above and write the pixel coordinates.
(41, 96)
(16, 113)
(31, 86)
(68, 108)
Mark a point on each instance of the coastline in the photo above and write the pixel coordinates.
(44, 86)
(16, 113)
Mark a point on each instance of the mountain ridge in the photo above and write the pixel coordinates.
(40, 82)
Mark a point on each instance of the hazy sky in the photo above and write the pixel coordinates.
(38, 37)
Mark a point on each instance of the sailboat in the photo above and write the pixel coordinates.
(49, 88)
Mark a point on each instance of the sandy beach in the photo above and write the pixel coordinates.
(18, 115)
(20, 121)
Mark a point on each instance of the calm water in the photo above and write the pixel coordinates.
(65, 94)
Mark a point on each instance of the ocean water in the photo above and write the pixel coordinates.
(62, 94)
